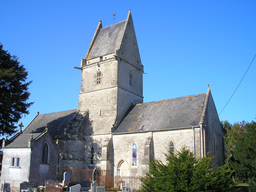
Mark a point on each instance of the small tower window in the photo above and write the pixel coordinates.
(171, 147)
(134, 155)
(92, 155)
(45, 154)
(130, 78)
(99, 77)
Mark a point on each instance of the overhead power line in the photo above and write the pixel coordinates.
(238, 84)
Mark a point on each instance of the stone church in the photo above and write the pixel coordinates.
(112, 129)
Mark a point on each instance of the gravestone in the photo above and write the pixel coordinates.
(134, 190)
(75, 188)
(125, 188)
(27, 187)
(6, 187)
(101, 189)
(94, 186)
(51, 183)
(66, 178)
(52, 189)
(52, 186)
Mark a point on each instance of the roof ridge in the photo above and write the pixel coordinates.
(112, 24)
(205, 105)
(40, 135)
(59, 112)
(31, 122)
(172, 99)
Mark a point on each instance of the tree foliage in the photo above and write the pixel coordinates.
(231, 134)
(13, 92)
(183, 172)
(241, 143)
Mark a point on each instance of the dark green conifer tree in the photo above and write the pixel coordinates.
(183, 172)
(13, 92)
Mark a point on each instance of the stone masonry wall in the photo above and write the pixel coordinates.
(12, 174)
(40, 172)
(213, 129)
(159, 144)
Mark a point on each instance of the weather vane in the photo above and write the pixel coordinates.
(114, 19)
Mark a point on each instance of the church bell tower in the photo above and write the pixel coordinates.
(112, 77)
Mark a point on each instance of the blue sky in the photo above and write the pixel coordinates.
(184, 46)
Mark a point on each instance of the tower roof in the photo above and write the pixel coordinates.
(118, 39)
(107, 40)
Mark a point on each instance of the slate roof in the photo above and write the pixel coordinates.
(55, 122)
(21, 141)
(166, 114)
(107, 40)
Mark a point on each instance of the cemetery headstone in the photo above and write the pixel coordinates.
(125, 188)
(101, 189)
(51, 183)
(66, 178)
(52, 186)
(6, 187)
(94, 186)
(75, 188)
(94, 175)
(27, 187)
(52, 189)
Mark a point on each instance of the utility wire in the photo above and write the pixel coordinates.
(238, 84)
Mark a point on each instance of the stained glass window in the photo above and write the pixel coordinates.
(134, 155)
(172, 147)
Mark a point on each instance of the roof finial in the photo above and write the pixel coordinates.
(208, 86)
(114, 19)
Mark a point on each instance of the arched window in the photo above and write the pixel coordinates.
(17, 161)
(171, 147)
(45, 156)
(92, 154)
(130, 78)
(13, 161)
(134, 155)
